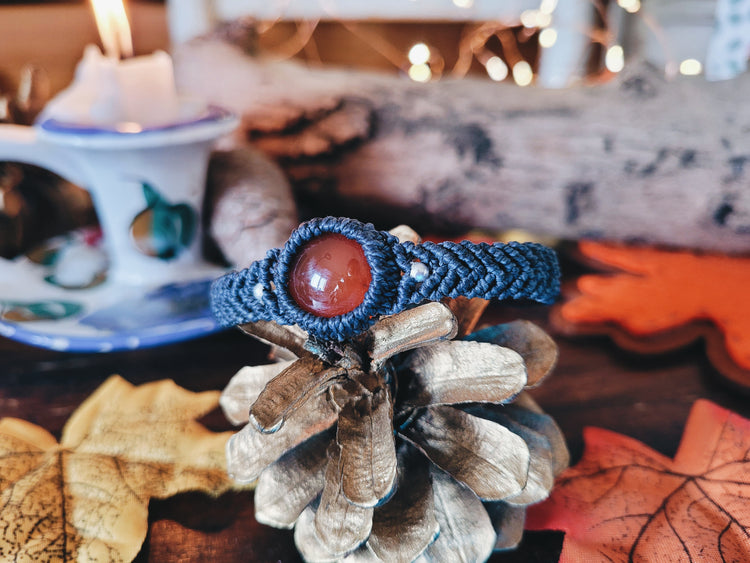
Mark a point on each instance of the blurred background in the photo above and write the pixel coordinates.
(488, 38)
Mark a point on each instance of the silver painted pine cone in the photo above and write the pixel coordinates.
(402, 444)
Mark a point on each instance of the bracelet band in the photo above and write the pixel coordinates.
(402, 274)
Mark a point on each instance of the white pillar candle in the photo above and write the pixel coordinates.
(147, 89)
(130, 94)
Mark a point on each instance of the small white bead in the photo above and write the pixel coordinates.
(419, 271)
(258, 291)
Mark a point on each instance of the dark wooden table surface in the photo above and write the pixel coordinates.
(595, 384)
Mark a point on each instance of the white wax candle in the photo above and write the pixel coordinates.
(147, 90)
(133, 93)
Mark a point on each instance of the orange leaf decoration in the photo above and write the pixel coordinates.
(625, 502)
(664, 299)
(86, 497)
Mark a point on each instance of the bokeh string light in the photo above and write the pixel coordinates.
(691, 67)
(547, 37)
(503, 49)
(496, 68)
(630, 6)
(614, 60)
(419, 57)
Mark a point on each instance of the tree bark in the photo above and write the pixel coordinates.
(638, 159)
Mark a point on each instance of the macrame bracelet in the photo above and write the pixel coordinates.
(402, 274)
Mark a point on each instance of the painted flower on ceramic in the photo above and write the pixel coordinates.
(75, 260)
(401, 444)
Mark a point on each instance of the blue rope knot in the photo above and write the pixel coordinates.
(403, 274)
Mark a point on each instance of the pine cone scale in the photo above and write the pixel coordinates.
(403, 527)
(288, 485)
(463, 372)
(245, 387)
(536, 347)
(487, 457)
(466, 531)
(250, 451)
(339, 525)
(368, 449)
(289, 390)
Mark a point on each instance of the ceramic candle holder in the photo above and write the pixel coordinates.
(147, 186)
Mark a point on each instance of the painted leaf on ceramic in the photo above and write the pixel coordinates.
(626, 502)
(658, 300)
(163, 230)
(50, 310)
(86, 497)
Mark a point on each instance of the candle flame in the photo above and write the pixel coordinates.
(114, 29)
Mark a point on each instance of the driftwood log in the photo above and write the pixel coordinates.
(637, 159)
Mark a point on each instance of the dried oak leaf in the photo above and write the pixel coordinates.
(625, 502)
(658, 300)
(86, 498)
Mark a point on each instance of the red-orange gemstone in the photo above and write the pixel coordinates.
(330, 276)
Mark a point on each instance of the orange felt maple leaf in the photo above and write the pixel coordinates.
(664, 299)
(86, 497)
(625, 502)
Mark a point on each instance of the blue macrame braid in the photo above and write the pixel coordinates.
(403, 274)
